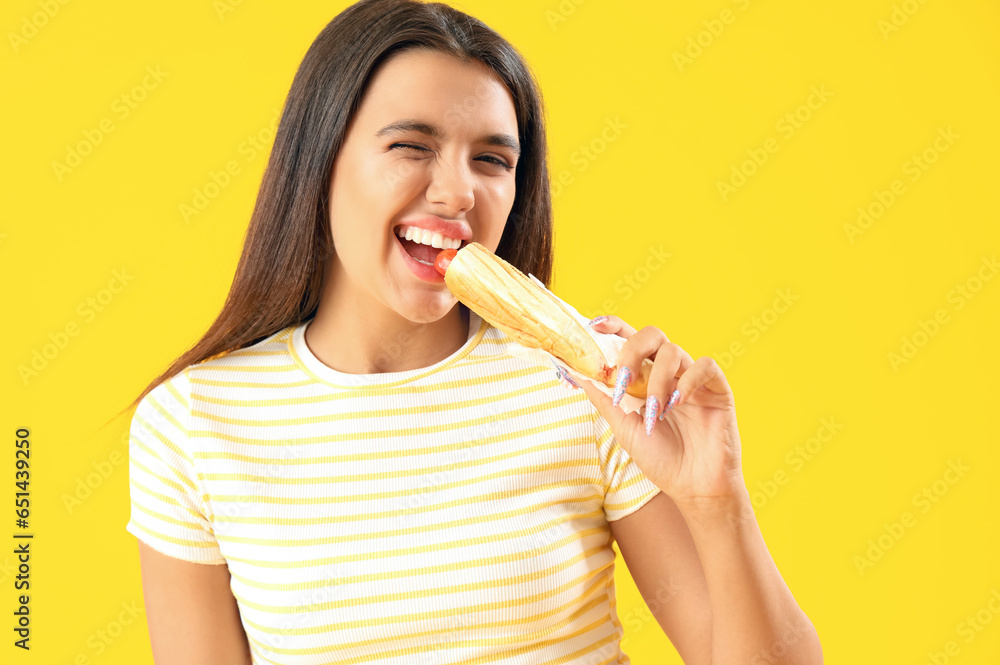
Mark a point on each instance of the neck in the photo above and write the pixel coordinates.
(375, 340)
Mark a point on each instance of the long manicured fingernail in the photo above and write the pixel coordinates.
(652, 406)
(621, 383)
(597, 320)
(564, 376)
(674, 398)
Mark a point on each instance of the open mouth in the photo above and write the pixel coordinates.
(422, 253)
(420, 246)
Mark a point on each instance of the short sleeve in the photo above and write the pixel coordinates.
(168, 508)
(626, 488)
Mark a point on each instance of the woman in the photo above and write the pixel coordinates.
(350, 467)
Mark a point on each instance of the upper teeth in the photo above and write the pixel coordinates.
(425, 237)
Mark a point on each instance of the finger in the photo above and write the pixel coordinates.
(611, 413)
(643, 344)
(631, 355)
(671, 362)
(671, 394)
(705, 372)
(612, 325)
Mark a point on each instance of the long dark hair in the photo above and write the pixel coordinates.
(279, 277)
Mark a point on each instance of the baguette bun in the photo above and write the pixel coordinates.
(527, 312)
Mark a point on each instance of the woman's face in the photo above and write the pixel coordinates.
(432, 146)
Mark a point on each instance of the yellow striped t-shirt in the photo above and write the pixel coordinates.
(456, 513)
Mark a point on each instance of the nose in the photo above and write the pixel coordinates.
(451, 186)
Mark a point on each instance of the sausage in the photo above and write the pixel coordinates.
(444, 258)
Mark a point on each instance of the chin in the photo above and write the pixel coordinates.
(431, 309)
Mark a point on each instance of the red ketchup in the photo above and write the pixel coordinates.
(444, 258)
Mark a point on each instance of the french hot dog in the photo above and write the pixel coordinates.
(527, 312)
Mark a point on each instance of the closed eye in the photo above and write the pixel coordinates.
(488, 158)
(494, 160)
(407, 145)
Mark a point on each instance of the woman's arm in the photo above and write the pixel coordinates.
(192, 614)
(707, 577)
(734, 592)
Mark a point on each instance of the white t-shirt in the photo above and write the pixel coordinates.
(456, 513)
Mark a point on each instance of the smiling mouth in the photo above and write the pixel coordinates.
(420, 252)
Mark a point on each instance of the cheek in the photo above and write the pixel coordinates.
(372, 181)
(497, 198)
(398, 178)
(500, 197)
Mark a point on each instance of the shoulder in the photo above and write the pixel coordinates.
(168, 404)
(271, 351)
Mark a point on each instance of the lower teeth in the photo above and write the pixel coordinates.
(424, 262)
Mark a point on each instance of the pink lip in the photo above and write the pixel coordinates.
(456, 230)
(425, 273)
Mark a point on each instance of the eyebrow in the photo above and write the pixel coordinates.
(504, 140)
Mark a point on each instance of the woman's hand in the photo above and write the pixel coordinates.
(692, 448)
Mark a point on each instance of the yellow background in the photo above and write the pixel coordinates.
(651, 185)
